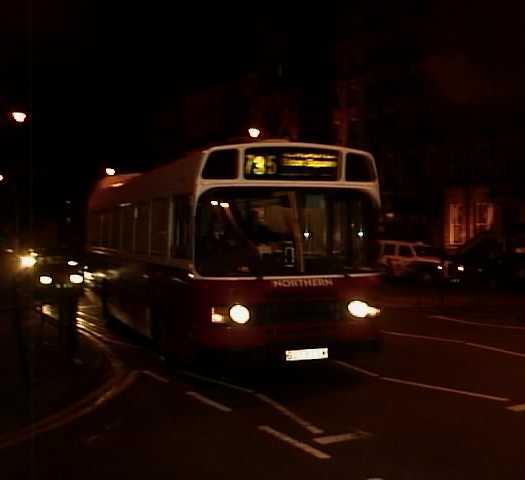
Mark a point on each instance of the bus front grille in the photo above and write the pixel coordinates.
(279, 313)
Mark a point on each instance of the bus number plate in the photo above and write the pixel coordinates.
(306, 354)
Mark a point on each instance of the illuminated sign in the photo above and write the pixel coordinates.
(292, 163)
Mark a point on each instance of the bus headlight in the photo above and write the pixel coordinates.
(239, 314)
(27, 261)
(45, 280)
(361, 309)
(76, 278)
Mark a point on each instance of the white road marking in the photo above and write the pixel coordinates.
(285, 411)
(213, 380)
(517, 408)
(479, 324)
(424, 337)
(209, 402)
(343, 437)
(446, 389)
(357, 369)
(295, 443)
(156, 376)
(494, 349)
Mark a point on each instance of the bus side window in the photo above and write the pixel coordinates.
(115, 229)
(181, 241)
(160, 208)
(141, 228)
(127, 228)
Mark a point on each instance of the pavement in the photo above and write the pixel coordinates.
(38, 380)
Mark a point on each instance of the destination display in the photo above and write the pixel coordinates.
(290, 163)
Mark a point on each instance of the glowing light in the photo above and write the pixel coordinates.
(27, 261)
(34, 254)
(45, 280)
(116, 185)
(307, 235)
(225, 205)
(461, 268)
(110, 171)
(72, 263)
(239, 314)
(254, 132)
(19, 117)
(440, 267)
(217, 317)
(190, 275)
(362, 309)
(214, 203)
(1, 178)
(89, 276)
(9, 250)
(76, 278)
(360, 234)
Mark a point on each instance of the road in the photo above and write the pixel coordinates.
(444, 400)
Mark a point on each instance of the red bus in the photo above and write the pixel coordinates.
(266, 247)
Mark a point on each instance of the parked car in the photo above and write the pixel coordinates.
(490, 260)
(416, 260)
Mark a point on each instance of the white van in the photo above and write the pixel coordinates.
(410, 259)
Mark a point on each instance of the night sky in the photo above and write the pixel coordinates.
(93, 76)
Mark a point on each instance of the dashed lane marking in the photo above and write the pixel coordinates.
(479, 324)
(357, 369)
(314, 452)
(156, 376)
(517, 408)
(343, 437)
(208, 401)
(445, 389)
(287, 412)
(423, 385)
(215, 381)
(424, 337)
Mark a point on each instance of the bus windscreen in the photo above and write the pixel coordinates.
(290, 163)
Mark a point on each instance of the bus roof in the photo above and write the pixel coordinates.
(179, 176)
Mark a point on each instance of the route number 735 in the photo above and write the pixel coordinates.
(260, 165)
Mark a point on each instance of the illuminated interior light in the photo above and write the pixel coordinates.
(191, 275)
(76, 278)
(110, 171)
(360, 234)
(239, 314)
(440, 267)
(45, 280)
(214, 203)
(307, 235)
(72, 263)
(461, 268)
(225, 205)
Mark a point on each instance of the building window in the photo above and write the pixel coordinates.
(484, 216)
(457, 223)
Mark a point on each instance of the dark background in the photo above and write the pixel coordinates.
(109, 83)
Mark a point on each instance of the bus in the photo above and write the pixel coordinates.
(266, 248)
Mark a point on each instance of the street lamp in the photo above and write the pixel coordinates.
(19, 117)
(110, 171)
(254, 132)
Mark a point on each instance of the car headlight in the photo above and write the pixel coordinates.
(27, 261)
(239, 314)
(76, 278)
(45, 280)
(360, 309)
